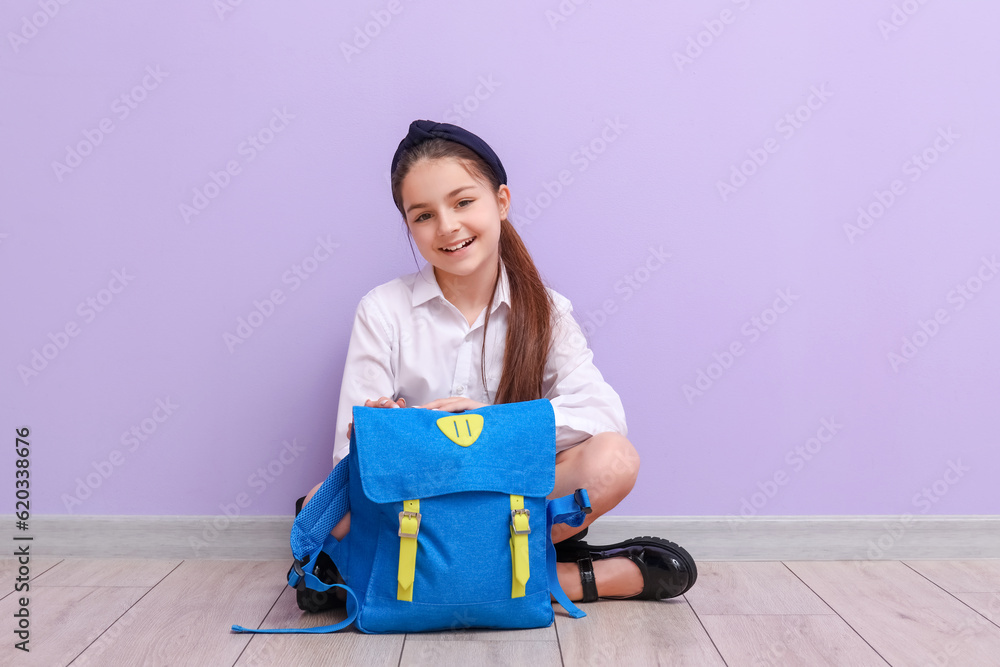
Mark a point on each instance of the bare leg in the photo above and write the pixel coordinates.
(607, 466)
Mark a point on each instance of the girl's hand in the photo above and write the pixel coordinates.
(453, 404)
(382, 402)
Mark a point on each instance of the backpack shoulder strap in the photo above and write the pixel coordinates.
(572, 510)
(352, 613)
(310, 532)
(323, 511)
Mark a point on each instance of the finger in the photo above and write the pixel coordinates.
(402, 402)
(350, 429)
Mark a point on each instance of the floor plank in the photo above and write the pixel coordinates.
(620, 632)
(166, 612)
(961, 576)
(106, 572)
(347, 647)
(9, 571)
(64, 621)
(475, 652)
(987, 604)
(907, 619)
(791, 640)
(751, 588)
(186, 618)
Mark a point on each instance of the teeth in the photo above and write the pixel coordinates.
(458, 246)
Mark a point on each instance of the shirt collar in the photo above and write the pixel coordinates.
(426, 287)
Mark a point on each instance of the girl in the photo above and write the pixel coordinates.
(476, 326)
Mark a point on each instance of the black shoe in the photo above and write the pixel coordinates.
(324, 569)
(667, 569)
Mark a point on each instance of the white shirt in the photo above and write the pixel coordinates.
(410, 342)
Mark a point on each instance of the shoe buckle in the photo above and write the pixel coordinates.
(300, 584)
(513, 522)
(409, 515)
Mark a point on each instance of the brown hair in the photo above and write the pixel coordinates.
(529, 325)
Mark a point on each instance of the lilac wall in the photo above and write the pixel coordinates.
(689, 175)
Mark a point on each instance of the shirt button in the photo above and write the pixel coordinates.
(459, 389)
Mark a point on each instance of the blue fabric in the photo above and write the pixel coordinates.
(463, 564)
(404, 454)
(463, 570)
(424, 130)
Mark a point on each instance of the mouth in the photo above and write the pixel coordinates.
(458, 246)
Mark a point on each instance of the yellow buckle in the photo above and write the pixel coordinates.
(520, 528)
(409, 515)
(409, 526)
(514, 514)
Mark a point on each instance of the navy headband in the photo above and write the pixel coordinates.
(424, 130)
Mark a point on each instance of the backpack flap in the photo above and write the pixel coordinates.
(407, 453)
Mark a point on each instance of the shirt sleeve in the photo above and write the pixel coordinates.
(584, 404)
(368, 370)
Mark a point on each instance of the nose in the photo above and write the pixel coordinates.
(447, 223)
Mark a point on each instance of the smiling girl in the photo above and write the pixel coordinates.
(476, 326)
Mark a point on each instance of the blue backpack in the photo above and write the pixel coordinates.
(450, 525)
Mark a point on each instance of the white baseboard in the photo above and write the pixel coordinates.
(707, 538)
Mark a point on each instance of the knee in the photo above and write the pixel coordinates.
(616, 461)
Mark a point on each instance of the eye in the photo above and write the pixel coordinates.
(464, 202)
(421, 217)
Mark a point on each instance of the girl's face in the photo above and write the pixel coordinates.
(454, 218)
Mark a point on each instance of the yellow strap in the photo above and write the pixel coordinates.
(409, 526)
(519, 530)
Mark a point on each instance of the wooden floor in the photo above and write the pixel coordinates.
(857, 613)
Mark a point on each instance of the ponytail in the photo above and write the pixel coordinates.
(529, 325)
